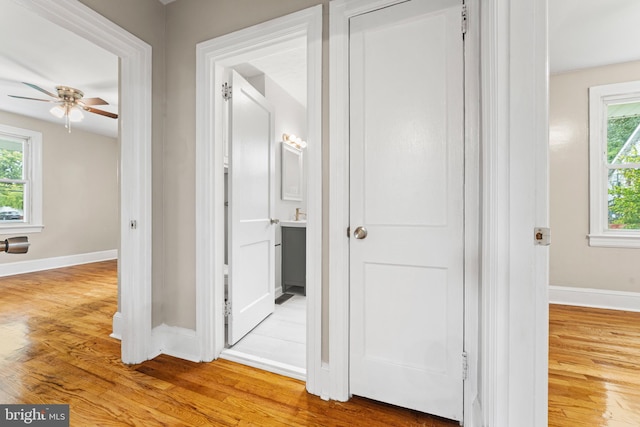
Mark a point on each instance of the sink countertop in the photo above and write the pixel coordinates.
(291, 223)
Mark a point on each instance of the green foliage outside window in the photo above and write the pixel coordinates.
(619, 129)
(11, 168)
(624, 203)
(624, 183)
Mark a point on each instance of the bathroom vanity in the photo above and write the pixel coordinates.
(294, 256)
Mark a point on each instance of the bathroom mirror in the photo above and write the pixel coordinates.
(291, 172)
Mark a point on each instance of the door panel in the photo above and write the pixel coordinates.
(407, 183)
(251, 197)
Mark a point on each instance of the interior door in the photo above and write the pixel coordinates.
(251, 197)
(406, 206)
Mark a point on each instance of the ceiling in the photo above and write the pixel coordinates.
(582, 33)
(52, 56)
(590, 33)
(49, 57)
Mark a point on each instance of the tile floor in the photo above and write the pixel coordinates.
(281, 337)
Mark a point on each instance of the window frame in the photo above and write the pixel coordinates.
(600, 235)
(32, 157)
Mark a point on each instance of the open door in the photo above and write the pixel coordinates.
(251, 197)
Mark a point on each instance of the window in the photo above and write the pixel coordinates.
(20, 180)
(614, 156)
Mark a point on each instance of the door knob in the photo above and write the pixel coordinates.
(360, 233)
(274, 221)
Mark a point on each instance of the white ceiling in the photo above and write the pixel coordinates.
(589, 33)
(582, 33)
(49, 56)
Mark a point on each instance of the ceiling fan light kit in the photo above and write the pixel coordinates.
(70, 104)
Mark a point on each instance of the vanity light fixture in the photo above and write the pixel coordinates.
(296, 141)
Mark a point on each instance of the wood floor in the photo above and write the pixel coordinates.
(594, 367)
(55, 348)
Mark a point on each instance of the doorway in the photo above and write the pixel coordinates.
(213, 58)
(133, 319)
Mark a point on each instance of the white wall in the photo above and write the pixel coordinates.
(80, 192)
(573, 263)
(290, 118)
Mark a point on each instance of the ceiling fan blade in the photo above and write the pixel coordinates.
(93, 101)
(101, 112)
(41, 90)
(32, 99)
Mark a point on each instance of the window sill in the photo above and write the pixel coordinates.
(20, 228)
(617, 240)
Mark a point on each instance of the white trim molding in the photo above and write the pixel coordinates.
(33, 176)
(596, 298)
(600, 234)
(175, 341)
(42, 264)
(135, 161)
(264, 364)
(212, 57)
(514, 323)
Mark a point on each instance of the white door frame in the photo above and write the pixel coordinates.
(506, 296)
(133, 320)
(211, 58)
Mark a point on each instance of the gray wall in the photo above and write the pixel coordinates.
(173, 32)
(188, 23)
(146, 20)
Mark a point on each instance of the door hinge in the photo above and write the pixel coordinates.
(348, 231)
(227, 308)
(464, 19)
(465, 366)
(226, 91)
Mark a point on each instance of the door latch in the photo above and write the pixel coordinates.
(542, 236)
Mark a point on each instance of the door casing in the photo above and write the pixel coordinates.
(212, 57)
(132, 322)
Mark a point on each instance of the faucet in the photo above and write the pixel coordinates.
(298, 213)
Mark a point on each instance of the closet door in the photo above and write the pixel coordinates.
(406, 206)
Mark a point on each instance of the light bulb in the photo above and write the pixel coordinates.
(75, 115)
(57, 111)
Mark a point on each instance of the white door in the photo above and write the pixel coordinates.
(251, 197)
(406, 172)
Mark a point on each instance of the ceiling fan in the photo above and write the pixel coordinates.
(70, 103)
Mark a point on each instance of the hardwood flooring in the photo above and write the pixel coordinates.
(55, 348)
(594, 367)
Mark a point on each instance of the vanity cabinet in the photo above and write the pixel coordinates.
(294, 259)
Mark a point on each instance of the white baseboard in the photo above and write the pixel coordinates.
(177, 342)
(264, 364)
(596, 298)
(117, 325)
(30, 266)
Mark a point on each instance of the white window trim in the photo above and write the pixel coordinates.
(599, 232)
(33, 208)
